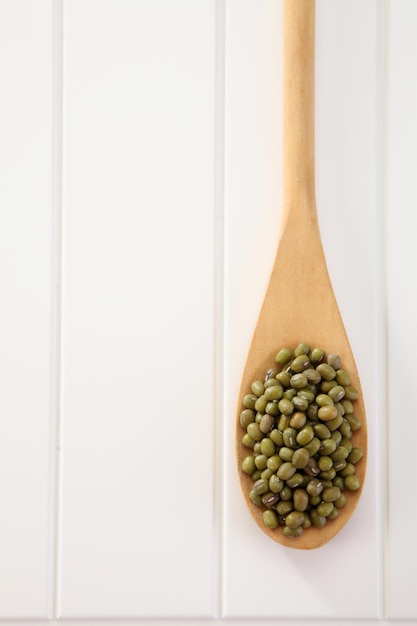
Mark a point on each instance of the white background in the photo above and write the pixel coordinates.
(140, 195)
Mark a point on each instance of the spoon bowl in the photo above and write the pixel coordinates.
(299, 304)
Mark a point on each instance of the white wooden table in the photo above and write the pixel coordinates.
(140, 195)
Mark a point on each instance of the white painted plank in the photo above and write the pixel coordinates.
(346, 105)
(401, 229)
(25, 287)
(138, 314)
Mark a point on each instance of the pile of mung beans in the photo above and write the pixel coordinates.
(298, 425)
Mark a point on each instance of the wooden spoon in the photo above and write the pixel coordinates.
(299, 304)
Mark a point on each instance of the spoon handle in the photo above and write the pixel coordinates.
(299, 186)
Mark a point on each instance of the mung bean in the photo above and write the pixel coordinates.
(299, 429)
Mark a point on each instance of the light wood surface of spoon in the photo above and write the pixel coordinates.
(299, 304)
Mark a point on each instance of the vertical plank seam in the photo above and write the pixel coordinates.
(381, 326)
(56, 237)
(219, 90)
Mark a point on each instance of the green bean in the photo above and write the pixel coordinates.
(299, 428)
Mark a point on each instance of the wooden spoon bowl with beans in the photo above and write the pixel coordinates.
(299, 304)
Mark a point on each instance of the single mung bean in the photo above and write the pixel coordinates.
(286, 494)
(294, 519)
(257, 447)
(334, 361)
(292, 532)
(274, 462)
(348, 405)
(325, 463)
(270, 499)
(271, 382)
(257, 387)
(339, 465)
(270, 519)
(314, 487)
(327, 413)
(312, 412)
(312, 375)
(298, 381)
(317, 520)
(283, 356)
(340, 454)
(348, 470)
(335, 423)
(351, 393)
(274, 392)
(260, 461)
(300, 363)
(247, 441)
(330, 494)
(289, 393)
(354, 421)
(260, 404)
(266, 423)
(341, 409)
(298, 420)
(326, 371)
(276, 436)
(327, 385)
(285, 406)
(249, 400)
(284, 507)
(302, 348)
(334, 513)
(312, 468)
(342, 377)
(305, 435)
(296, 480)
(321, 431)
(289, 436)
(266, 473)
(355, 455)
(272, 408)
(336, 436)
(313, 446)
(248, 465)
(271, 373)
(300, 499)
(283, 378)
(328, 474)
(306, 394)
(322, 399)
(300, 403)
(300, 458)
(341, 501)
(257, 474)
(352, 482)
(267, 446)
(347, 443)
(247, 416)
(275, 484)
(339, 482)
(327, 446)
(345, 429)
(254, 431)
(283, 422)
(285, 453)
(260, 486)
(325, 508)
(255, 497)
(317, 355)
(337, 393)
(286, 470)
